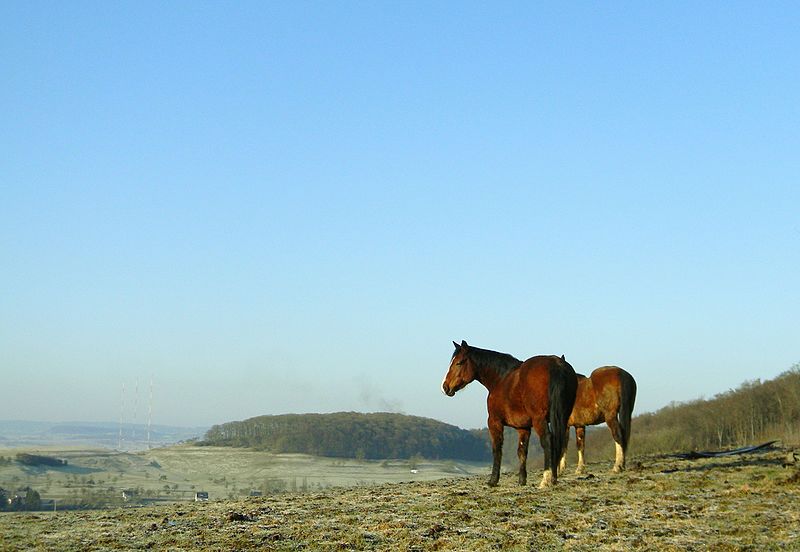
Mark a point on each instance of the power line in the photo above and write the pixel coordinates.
(121, 416)
(150, 413)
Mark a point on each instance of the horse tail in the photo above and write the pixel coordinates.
(561, 391)
(627, 398)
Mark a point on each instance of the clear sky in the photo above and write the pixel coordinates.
(296, 207)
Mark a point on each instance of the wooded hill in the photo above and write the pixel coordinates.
(753, 413)
(352, 435)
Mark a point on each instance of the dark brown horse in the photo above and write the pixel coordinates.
(607, 395)
(538, 393)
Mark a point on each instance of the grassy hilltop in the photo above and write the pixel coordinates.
(744, 502)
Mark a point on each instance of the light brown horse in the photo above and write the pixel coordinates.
(607, 395)
(538, 393)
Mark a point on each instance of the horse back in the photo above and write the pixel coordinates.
(607, 382)
(524, 394)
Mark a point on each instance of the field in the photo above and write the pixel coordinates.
(747, 502)
(97, 477)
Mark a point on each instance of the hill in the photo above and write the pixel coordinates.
(352, 435)
(735, 503)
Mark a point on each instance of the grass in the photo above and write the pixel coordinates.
(735, 503)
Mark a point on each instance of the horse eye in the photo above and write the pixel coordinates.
(460, 362)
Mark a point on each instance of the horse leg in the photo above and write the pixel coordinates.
(543, 431)
(580, 444)
(522, 454)
(496, 433)
(616, 434)
(562, 465)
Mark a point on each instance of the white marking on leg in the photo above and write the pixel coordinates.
(581, 464)
(619, 461)
(547, 479)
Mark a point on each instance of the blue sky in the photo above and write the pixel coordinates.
(296, 207)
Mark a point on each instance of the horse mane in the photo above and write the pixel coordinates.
(501, 363)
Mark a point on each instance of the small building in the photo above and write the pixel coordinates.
(128, 494)
(201, 496)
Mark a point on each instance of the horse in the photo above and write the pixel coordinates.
(607, 395)
(538, 393)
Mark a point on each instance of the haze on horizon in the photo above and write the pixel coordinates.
(297, 207)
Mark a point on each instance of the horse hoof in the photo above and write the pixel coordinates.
(491, 483)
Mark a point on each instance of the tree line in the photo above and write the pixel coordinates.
(755, 412)
(351, 435)
(39, 460)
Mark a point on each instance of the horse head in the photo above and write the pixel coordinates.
(461, 371)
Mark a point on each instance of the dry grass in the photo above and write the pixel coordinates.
(736, 503)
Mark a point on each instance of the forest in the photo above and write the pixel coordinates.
(352, 435)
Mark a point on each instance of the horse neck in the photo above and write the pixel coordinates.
(487, 376)
(489, 371)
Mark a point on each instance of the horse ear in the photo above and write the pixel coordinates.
(464, 344)
(457, 345)
(562, 358)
